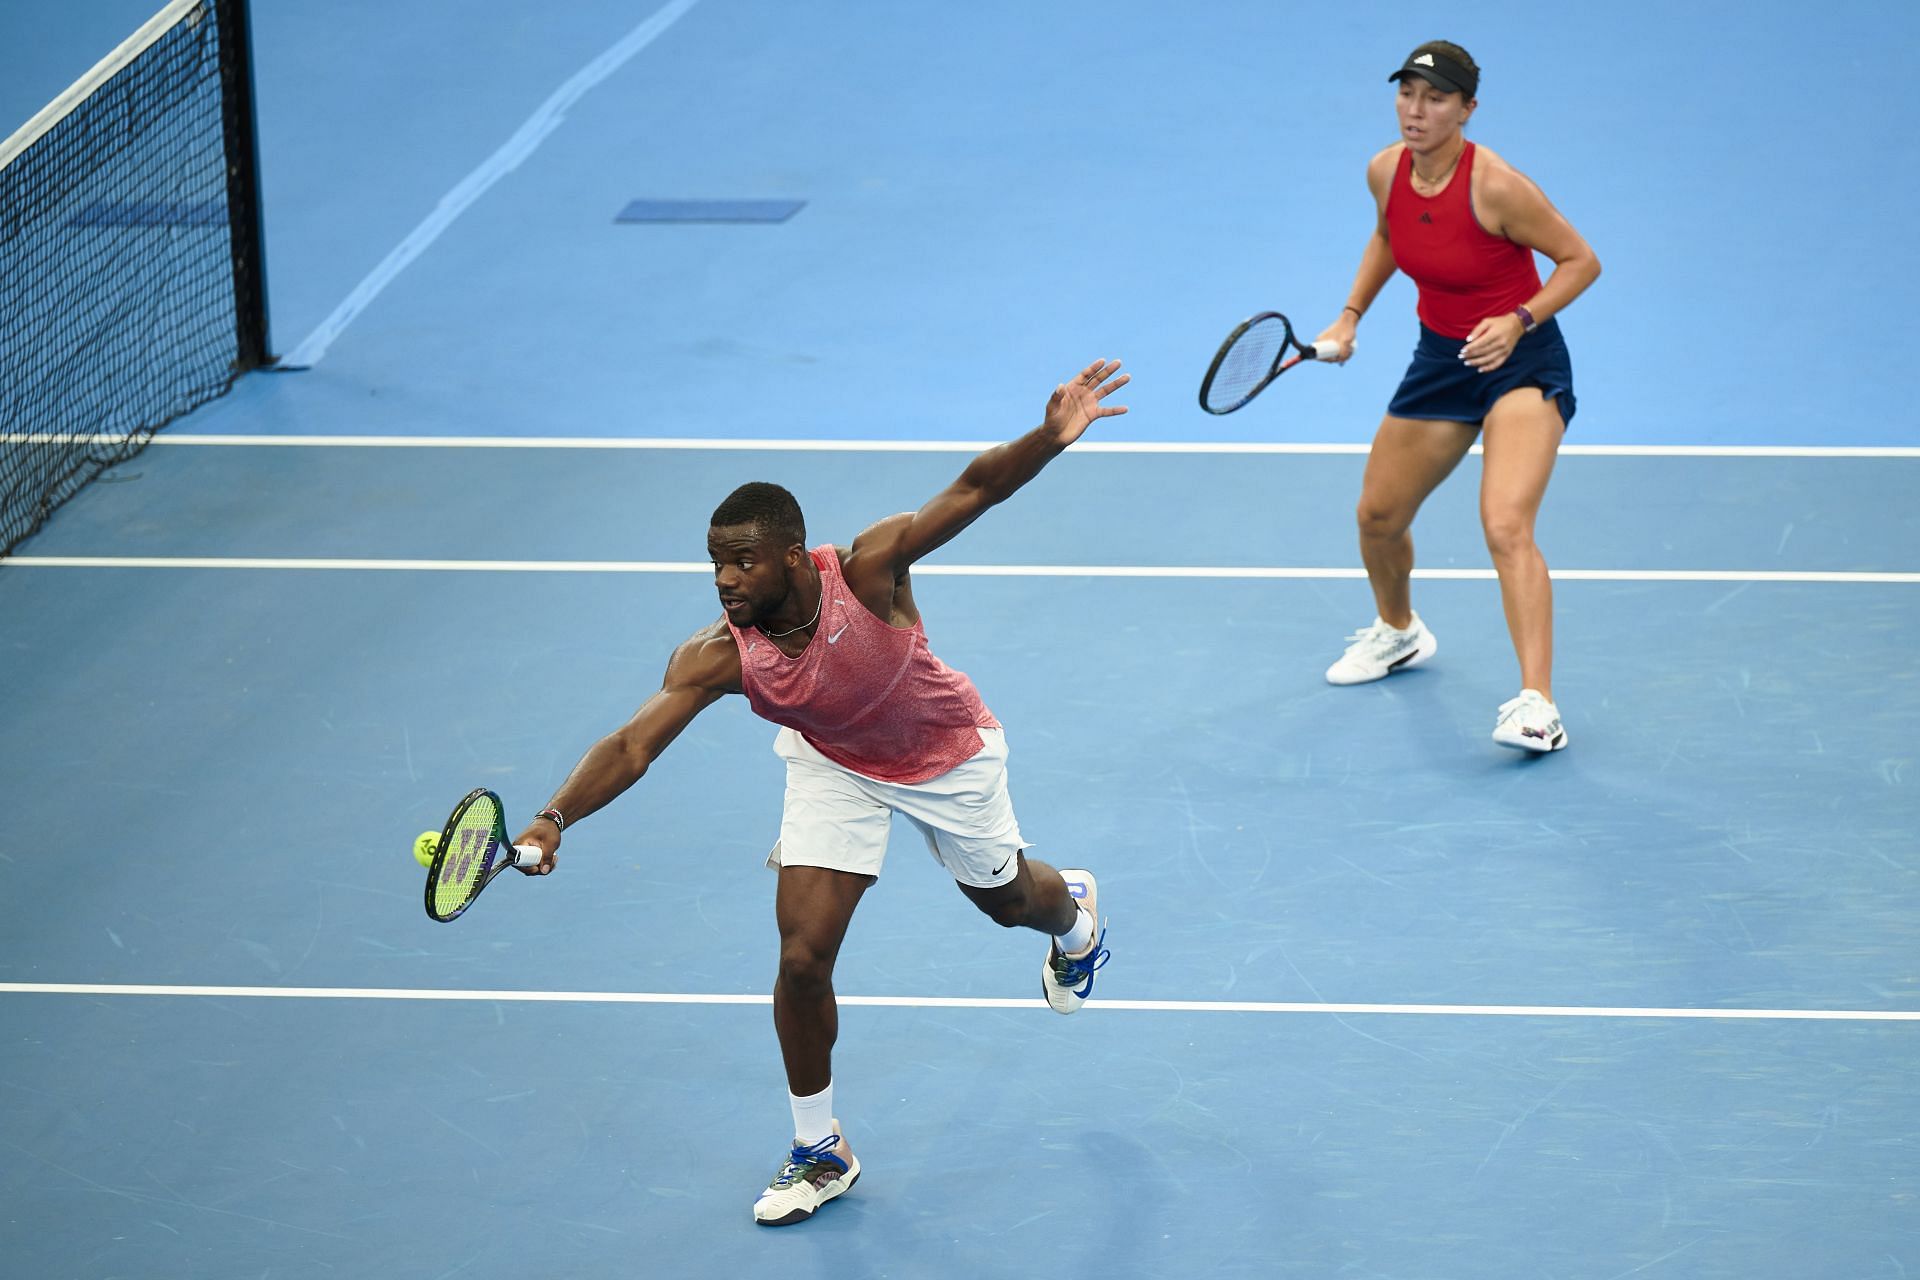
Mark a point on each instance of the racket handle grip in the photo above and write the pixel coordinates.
(527, 855)
(1330, 350)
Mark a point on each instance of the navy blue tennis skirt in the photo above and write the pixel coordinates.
(1439, 384)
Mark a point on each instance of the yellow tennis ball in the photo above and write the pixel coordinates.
(423, 846)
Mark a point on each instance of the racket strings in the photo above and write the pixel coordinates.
(471, 850)
(1246, 363)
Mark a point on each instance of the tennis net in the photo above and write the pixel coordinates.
(132, 287)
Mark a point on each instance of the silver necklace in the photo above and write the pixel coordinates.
(775, 635)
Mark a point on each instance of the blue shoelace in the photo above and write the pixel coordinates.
(1068, 970)
(801, 1160)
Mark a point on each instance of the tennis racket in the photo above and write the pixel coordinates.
(1254, 354)
(473, 849)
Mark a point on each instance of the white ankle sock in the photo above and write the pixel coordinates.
(1078, 938)
(812, 1117)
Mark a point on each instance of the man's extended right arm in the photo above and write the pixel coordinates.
(700, 673)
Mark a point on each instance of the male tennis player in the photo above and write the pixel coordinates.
(828, 644)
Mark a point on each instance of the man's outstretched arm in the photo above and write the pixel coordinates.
(700, 673)
(995, 475)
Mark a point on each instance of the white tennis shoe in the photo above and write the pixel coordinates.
(810, 1176)
(1065, 980)
(1378, 650)
(1530, 723)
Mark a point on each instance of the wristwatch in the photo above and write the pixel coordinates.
(1526, 319)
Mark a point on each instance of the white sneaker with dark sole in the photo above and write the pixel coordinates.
(1529, 723)
(811, 1176)
(1377, 651)
(1067, 981)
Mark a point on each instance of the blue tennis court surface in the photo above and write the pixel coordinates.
(1385, 1001)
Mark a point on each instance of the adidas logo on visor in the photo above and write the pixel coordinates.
(1424, 60)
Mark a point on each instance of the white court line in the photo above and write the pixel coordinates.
(470, 188)
(1229, 572)
(954, 1002)
(914, 446)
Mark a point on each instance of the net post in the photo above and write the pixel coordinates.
(246, 225)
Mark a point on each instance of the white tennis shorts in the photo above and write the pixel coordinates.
(840, 819)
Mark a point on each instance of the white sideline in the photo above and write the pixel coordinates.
(470, 188)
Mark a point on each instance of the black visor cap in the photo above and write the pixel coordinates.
(1440, 71)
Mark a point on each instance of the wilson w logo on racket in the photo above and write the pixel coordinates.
(473, 849)
(1259, 350)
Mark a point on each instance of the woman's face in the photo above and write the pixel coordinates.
(1429, 117)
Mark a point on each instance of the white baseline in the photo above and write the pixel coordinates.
(958, 1002)
(1230, 572)
(617, 443)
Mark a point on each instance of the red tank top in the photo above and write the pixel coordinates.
(868, 695)
(1464, 272)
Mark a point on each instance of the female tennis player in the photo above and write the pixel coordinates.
(1464, 225)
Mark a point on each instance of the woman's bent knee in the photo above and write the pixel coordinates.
(1380, 521)
(1508, 535)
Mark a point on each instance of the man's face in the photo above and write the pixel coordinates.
(749, 572)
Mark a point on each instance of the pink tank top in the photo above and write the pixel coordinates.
(869, 696)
